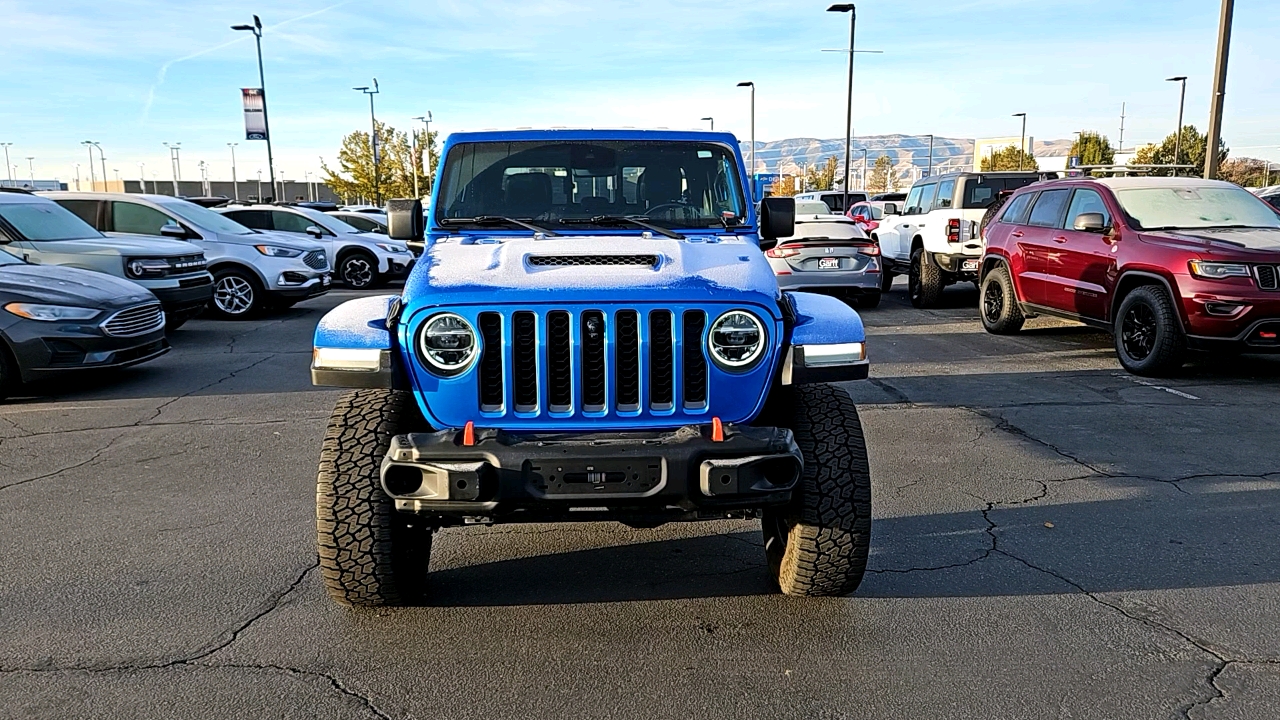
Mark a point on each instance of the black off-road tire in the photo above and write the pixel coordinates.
(924, 283)
(869, 301)
(370, 554)
(998, 303)
(886, 281)
(1167, 343)
(818, 545)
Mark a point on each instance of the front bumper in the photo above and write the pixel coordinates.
(312, 287)
(397, 266)
(1224, 313)
(635, 477)
(188, 297)
(45, 349)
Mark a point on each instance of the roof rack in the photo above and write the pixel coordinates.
(1129, 169)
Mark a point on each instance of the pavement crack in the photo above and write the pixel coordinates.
(1004, 425)
(93, 458)
(332, 680)
(986, 553)
(160, 408)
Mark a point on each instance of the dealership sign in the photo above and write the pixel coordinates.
(255, 113)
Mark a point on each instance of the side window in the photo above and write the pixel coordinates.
(859, 210)
(255, 219)
(361, 224)
(912, 201)
(127, 217)
(1086, 201)
(86, 210)
(927, 193)
(946, 191)
(288, 222)
(1047, 212)
(1015, 213)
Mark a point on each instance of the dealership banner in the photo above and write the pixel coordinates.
(255, 113)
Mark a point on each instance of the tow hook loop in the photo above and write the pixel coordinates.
(469, 434)
(717, 430)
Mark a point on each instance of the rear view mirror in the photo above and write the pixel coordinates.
(777, 218)
(891, 209)
(405, 220)
(315, 231)
(1090, 222)
(174, 230)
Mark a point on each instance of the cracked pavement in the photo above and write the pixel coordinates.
(1052, 539)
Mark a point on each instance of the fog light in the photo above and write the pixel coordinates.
(1225, 309)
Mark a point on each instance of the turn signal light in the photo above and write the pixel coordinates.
(782, 251)
(953, 230)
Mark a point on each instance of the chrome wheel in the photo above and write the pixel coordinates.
(233, 295)
(1138, 332)
(357, 272)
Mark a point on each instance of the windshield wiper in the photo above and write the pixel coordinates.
(615, 219)
(497, 219)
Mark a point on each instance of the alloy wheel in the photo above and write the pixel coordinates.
(357, 273)
(233, 295)
(1138, 331)
(993, 301)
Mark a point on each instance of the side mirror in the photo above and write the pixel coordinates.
(860, 218)
(1090, 222)
(174, 230)
(315, 231)
(777, 218)
(891, 209)
(406, 221)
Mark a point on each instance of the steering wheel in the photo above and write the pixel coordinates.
(668, 206)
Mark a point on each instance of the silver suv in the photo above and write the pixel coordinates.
(252, 270)
(40, 231)
(360, 260)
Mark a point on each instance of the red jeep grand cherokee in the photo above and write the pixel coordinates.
(1162, 263)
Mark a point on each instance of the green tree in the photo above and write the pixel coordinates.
(1244, 171)
(882, 175)
(784, 186)
(396, 168)
(1191, 152)
(1008, 159)
(823, 177)
(1093, 149)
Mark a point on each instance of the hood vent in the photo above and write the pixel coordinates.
(649, 261)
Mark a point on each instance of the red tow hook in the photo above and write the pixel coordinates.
(469, 434)
(717, 430)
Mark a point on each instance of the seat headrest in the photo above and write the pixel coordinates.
(662, 184)
(528, 194)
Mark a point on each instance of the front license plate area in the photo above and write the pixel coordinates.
(969, 264)
(828, 263)
(570, 477)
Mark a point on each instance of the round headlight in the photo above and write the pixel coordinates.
(448, 343)
(736, 339)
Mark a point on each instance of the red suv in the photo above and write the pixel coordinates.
(1163, 264)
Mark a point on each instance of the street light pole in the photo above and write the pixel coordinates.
(1177, 138)
(32, 169)
(77, 175)
(417, 154)
(1219, 90)
(373, 142)
(930, 156)
(848, 119)
(175, 164)
(259, 186)
(1022, 144)
(93, 178)
(142, 178)
(751, 175)
(712, 121)
(256, 29)
(6, 162)
(235, 186)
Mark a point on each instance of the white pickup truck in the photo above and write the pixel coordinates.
(935, 241)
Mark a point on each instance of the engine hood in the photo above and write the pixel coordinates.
(125, 244)
(55, 285)
(506, 270)
(1253, 244)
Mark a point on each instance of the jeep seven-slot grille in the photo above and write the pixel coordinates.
(593, 361)
(1268, 276)
(571, 260)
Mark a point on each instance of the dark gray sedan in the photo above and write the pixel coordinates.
(59, 319)
(828, 254)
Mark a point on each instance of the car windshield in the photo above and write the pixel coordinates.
(204, 218)
(1187, 207)
(45, 221)
(7, 259)
(812, 207)
(567, 183)
(825, 229)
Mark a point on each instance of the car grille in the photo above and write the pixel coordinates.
(1268, 276)
(137, 320)
(572, 260)
(315, 260)
(564, 362)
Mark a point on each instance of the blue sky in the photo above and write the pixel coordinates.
(133, 74)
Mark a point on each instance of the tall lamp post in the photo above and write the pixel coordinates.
(6, 162)
(712, 121)
(417, 153)
(92, 144)
(751, 175)
(93, 178)
(1022, 143)
(235, 186)
(31, 168)
(930, 156)
(142, 178)
(864, 177)
(259, 186)
(175, 164)
(373, 141)
(256, 29)
(848, 117)
(1177, 138)
(77, 175)
(1219, 90)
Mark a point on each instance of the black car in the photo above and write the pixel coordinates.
(58, 319)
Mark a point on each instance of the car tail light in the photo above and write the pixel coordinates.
(782, 251)
(953, 230)
(869, 250)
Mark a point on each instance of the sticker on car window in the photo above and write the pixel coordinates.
(704, 154)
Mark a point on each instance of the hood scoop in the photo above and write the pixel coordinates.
(649, 261)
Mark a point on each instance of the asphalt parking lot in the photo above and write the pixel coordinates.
(1053, 538)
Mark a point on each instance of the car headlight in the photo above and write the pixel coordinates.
(448, 344)
(51, 313)
(146, 267)
(393, 249)
(736, 339)
(277, 251)
(1218, 270)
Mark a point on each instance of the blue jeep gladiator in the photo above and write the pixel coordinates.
(592, 333)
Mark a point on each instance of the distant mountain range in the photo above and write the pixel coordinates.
(910, 153)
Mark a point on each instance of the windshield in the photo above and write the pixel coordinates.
(812, 207)
(7, 259)
(46, 221)
(827, 229)
(1205, 206)
(671, 184)
(204, 218)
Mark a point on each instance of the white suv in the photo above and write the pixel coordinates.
(935, 242)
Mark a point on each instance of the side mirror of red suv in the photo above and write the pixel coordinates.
(1090, 222)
